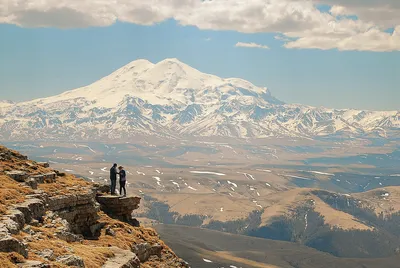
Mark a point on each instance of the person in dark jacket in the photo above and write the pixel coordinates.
(113, 178)
(122, 180)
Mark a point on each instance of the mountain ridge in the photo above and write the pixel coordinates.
(172, 98)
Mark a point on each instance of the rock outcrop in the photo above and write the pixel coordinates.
(71, 260)
(119, 207)
(32, 209)
(50, 216)
(122, 259)
(11, 244)
(79, 210)
(144, 251)
(17, 175)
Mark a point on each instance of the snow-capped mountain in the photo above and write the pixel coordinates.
(4, 103)
(173, 99)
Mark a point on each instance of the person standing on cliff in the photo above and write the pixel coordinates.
(113, 178)
(122, 180)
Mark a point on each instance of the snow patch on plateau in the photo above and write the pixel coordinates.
(207, 172)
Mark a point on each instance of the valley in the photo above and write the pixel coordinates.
(271, 189)
(207, 248)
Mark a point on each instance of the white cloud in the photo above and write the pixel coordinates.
(282, 38)
(251, 45)
(371, 40)
(299, 23)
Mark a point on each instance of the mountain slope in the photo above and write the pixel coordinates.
(52, 219)
(171, 98)
(226, 250)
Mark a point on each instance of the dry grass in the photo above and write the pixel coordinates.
(63, 185)
(11, 193)
(94, 252)
(337, 218)
(9, 260)
(381, 204)
(19, 162)
(282, 202)
(92, 255)
(207, 204)
(126, 235)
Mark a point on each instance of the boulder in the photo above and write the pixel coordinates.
(110, 231)
(35, 223)
(38, 178)
(39, 194)
(12, 226)
(14, 221)
(134, 222)
(144, 251)
(31, 182)
(33, 264)
(28, 230)
(101, 188)
(122, 259)
(71, 260)
(32, 209)
(17, 216)
(17, 175)
(10, 244)
(44, 164)
(68, 237)
(50, 177)
(44, 178)
(95, 229)
(60, 174)
(47, 254)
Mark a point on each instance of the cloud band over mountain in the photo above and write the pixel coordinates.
(372, 25)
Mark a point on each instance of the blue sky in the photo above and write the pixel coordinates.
(39, 62)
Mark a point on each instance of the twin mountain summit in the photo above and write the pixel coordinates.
(172, 99)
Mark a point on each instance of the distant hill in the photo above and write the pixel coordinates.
(363, 225)
(227, 250)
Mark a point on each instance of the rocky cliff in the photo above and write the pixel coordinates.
(53, 219)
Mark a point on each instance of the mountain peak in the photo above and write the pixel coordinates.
(172, 60)
(140, 63)
(147, 62)
(175, 65)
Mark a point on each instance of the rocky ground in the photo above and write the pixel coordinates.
(52, 219)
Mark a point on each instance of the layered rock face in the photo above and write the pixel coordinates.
(119, 208)
(79, 210)
(43, 207)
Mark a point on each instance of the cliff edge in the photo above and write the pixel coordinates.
(53, 219)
